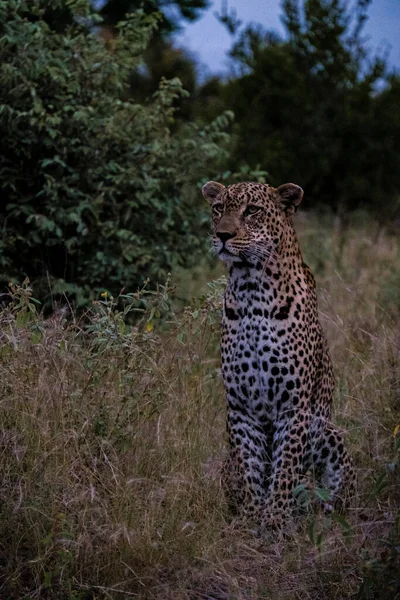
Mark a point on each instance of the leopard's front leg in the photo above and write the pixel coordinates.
(289, 448)
(247, 468)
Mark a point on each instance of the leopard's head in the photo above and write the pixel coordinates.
(250, 219)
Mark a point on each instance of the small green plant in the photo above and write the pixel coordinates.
(109, 318)
(24, 306)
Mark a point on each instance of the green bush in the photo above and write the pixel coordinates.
(98, 193)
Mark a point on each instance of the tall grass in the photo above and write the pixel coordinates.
(112, 438)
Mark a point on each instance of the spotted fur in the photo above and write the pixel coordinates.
(276, 366)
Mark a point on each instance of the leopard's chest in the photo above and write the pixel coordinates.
(262, 363)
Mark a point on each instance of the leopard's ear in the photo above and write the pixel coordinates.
(211, 190)
(289, 196)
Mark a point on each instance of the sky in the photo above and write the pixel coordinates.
(209, 41)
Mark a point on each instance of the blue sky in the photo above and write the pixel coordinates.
(209, 41)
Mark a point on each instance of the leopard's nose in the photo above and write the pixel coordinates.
(224, 236)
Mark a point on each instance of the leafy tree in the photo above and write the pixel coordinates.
(97, 193)
(161, 58)
(314, 107)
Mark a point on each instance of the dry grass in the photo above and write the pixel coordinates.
(112, 438)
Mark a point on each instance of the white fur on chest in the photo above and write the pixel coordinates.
(255, 354)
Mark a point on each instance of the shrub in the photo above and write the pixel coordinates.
(98, 192)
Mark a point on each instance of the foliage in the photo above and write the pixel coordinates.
(316, 108)
(98, 193)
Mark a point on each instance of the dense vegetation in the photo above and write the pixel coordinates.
(97, 191)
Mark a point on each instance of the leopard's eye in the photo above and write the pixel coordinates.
(252, 210)
(217, 209)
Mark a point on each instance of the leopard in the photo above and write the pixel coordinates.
(275, 362)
